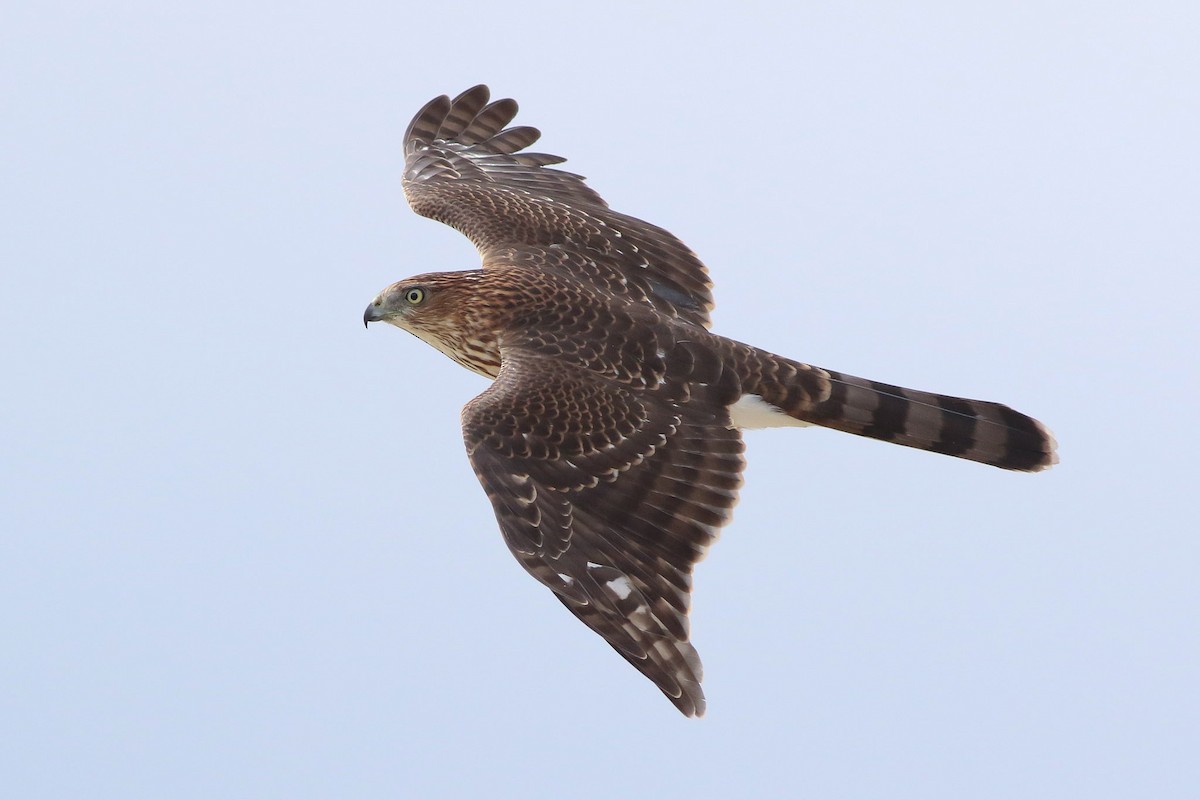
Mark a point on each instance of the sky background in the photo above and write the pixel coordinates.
(243, 555)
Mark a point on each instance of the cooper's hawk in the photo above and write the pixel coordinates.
(609, 442)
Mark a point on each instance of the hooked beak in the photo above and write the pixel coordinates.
(372, 313)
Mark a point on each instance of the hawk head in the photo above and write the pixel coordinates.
(441, 310)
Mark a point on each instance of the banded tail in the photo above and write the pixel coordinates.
(989, 433)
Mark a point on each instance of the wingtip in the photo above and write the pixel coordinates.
(479, 93)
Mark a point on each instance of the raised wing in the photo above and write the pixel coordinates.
(609, 496)
(465, 168)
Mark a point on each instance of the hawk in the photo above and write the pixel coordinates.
(609, 441)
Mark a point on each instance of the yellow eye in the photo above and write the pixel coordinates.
(414, 296)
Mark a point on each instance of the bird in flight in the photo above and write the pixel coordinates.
(609, 441)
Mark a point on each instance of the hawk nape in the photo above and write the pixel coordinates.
(609, 442)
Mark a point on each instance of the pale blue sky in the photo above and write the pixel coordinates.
(243, 554)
